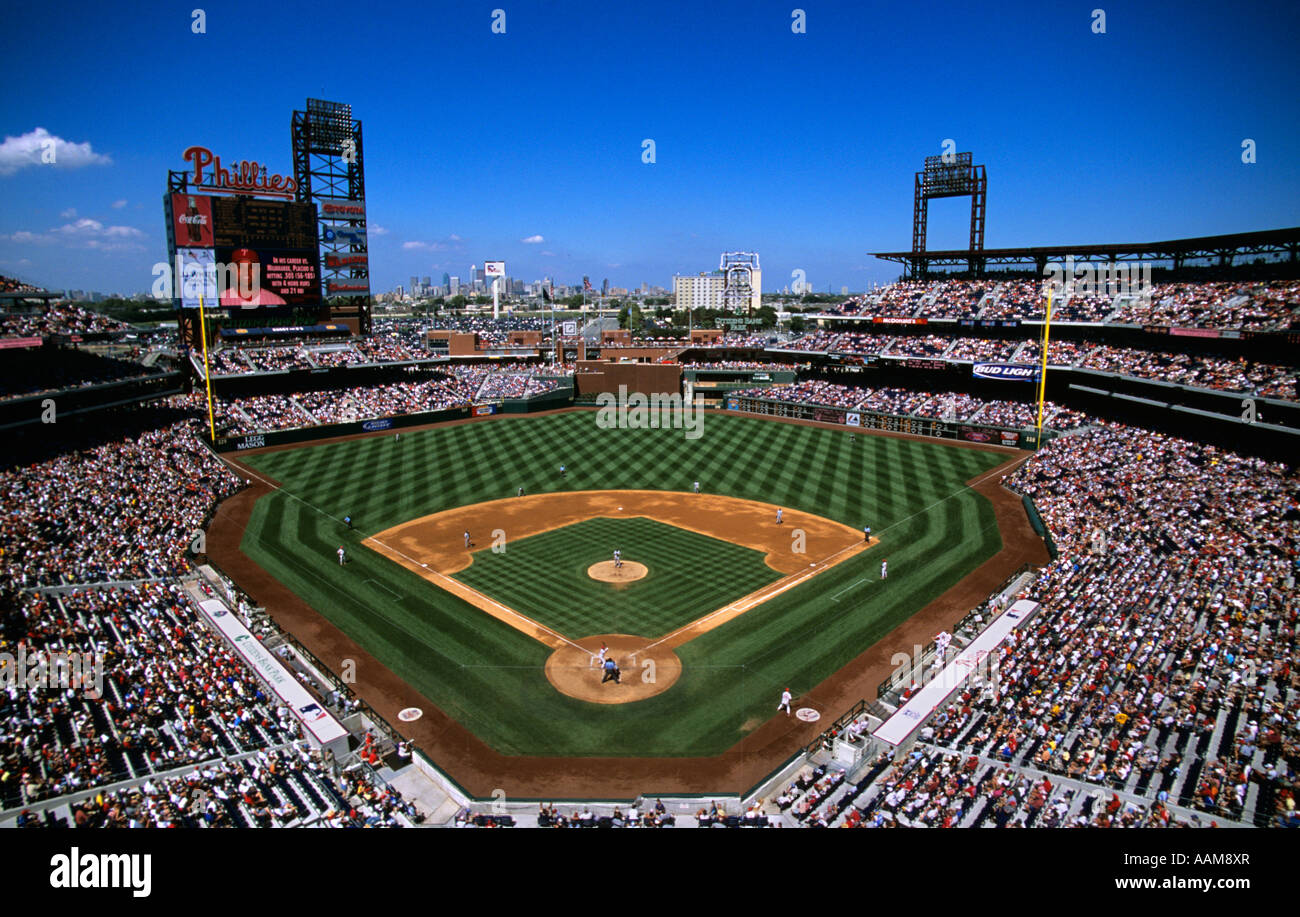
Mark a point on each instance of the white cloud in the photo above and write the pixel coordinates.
(84, 233)
(533, 240)
(373, 228)
(68, 214)
(452, 244)
(31, 150)
(549, 254)
(118, 205)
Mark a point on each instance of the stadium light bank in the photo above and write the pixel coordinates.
(659, 410)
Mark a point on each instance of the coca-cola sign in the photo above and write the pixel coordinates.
(244, 177)
(192, 220)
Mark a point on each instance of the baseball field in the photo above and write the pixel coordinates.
(716, 609)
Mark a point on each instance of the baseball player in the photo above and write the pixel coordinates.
(599, 659)
(397, 437)
(884, 569)
(348, 521)
(561, 471)
(467, 543)
(779, 513)
(521, 491)
(697, 486)
(618, 558)
(866, 533)
(785, 702)
(340, 555)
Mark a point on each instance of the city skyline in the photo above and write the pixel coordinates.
(558, 183)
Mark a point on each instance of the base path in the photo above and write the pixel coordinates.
(438, 540)
(434, 548)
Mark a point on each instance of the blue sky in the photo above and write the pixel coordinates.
(798, 146)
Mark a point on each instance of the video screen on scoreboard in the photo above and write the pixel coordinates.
(264, 253)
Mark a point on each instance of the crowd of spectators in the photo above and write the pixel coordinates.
(14, 285)
(58, 318)
(952, 406)
(122, 510)
(1163, 664)
(1225, 305)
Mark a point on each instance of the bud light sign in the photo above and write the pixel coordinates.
(1021, 371)
(371, 426)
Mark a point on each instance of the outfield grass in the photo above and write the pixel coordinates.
(689, 575)
(489, 676)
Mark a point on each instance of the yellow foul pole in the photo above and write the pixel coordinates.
(1042, 373)
(207, 373)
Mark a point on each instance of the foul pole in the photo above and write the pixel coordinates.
(1042, 372)
(207, 373)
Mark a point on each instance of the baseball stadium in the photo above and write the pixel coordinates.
(1008, 541)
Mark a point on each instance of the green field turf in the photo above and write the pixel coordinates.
(689, 575)
(489, 676)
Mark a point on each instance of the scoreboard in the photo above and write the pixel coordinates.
(250, 253)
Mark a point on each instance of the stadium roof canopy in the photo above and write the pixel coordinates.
(1219, 249)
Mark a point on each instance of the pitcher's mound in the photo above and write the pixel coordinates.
(606, 572)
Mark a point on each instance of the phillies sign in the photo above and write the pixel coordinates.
(1023, 371)
(246, 177)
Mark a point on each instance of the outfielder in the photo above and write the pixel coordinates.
(884, 569)
(340, 555)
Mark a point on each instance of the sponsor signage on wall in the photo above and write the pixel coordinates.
(1007, 371)
(340, 208)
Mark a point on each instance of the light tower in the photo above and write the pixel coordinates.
(741, 280)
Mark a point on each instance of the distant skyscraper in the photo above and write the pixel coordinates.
(426, 282)
(604, 287)
(446, 279)
(454, 284)
(415, 285)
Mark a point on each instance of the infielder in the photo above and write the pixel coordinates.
(467, 538)
(697, 486)
(779, 512)
(785, 702)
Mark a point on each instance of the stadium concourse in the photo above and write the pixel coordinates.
(1157, 685)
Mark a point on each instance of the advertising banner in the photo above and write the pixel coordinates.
(349, 234)
(198, 277)
(1023, 372)
(346, 260)
(494, 268)
(828, 415)
(340, 208)
(853, 419)
(192, 220)
(482, 410)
